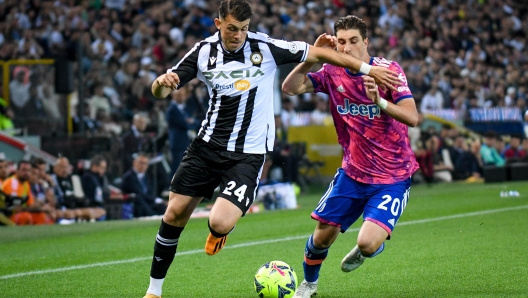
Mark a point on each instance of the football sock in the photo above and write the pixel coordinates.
(313, 260)
(155, 286)
(164, 251)
(378, 251)
(215, 233)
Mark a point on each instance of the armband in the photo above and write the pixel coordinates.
(383, 103)
(365, 68)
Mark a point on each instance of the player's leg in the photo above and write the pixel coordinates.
(174, 220)
(370, 243)
(239, 182)
(381, 214)
(335, 212)
(192, 181)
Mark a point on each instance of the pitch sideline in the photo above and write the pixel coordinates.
(253, 243)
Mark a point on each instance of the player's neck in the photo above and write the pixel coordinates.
(365, 59)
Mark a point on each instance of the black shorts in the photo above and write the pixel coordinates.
(203, 168)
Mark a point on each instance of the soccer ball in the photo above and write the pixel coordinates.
(275, 279)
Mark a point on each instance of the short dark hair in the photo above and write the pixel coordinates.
(37, 161)
(351, 22)
(240, 10)
(22, 162)
(97, 160)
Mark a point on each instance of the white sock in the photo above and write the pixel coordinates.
(155, 286)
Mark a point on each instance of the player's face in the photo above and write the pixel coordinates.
(233, 32)
(351, 43)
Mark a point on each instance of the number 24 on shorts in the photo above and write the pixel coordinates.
(239, 192)
(396, 203)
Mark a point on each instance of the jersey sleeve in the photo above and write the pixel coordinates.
(319, 79)
(285, 52)
(403, 90)
(187, 68)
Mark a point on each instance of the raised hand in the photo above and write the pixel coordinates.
(326, 41)
(384, 76)
(371, 89)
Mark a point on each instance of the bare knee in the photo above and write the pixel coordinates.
(220, 226)
(368, 246)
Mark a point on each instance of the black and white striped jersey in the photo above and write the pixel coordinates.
(241, 83)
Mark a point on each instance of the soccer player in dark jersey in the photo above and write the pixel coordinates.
(372, 127)
(238, 68)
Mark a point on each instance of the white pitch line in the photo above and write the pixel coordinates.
(253, 243)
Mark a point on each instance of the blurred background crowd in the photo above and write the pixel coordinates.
(465, 61)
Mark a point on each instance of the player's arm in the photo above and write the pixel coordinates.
(297, 81)
(403, 111)
(381, 75)
(178, 75)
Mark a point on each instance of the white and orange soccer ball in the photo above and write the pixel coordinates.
(275, 279)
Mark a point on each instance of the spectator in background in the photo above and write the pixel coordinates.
(42, 196)
(99, 101)
(136, 185)
(489, 153)
(19, 93)
(133, 140)
(4, 169)
(71, 207)
(466, 163)
(180, 122)
(317, 116)
(514, 152)
(90, 125)
(25, 210)
(93, 183)
(433, 99)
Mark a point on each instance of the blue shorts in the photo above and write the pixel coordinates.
(346, 199)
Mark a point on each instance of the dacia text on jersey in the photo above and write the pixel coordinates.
(235, 74)
(354, 109)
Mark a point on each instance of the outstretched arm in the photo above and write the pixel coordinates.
(297, 81)
(381, 75)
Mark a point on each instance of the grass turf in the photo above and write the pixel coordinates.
(481, 255)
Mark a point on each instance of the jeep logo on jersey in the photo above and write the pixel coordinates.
(242, 85)
(364, 110)
(235, 74)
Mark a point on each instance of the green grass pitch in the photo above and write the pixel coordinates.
(453, 240)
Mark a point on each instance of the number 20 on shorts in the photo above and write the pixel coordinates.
(396, 205)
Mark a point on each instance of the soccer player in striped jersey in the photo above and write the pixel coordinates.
(238, 68)
(371, 124)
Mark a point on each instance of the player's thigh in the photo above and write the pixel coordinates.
(196, 176)
(342, 204)
(239, 180)
(385, 207)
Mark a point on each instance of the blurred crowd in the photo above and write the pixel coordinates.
(456, 55)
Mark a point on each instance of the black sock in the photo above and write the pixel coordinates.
(215, 233)
(164, 249)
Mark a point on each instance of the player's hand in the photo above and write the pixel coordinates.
(384, 76)
(169, 80)
(371, 89)
(326, 41)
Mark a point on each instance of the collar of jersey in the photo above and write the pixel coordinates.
(358, 74)
(225, 50)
